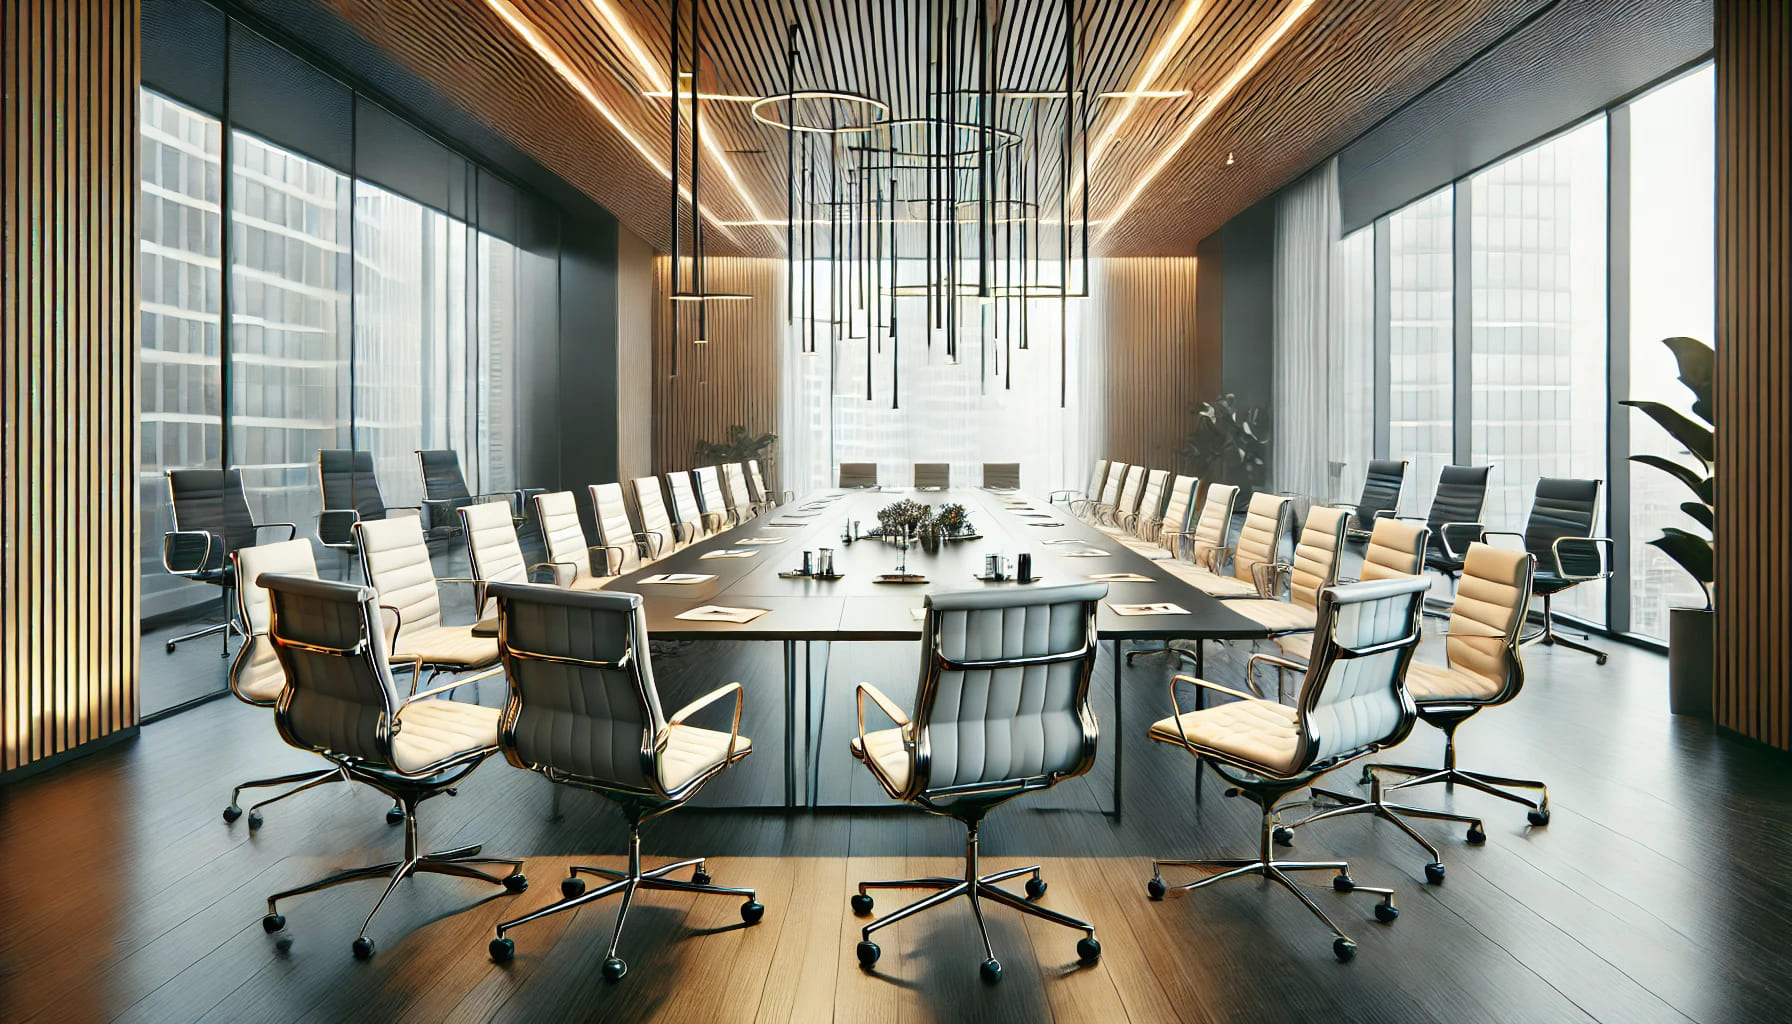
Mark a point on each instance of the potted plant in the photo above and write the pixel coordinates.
(1690, 630)
(1227, 445)
(740, 446)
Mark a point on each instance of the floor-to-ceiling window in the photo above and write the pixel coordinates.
(496, 355)
(1537, 371)
(1421, 417)
(1350, 433)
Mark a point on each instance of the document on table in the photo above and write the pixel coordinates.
(1119, 577)
(763, 540)
(721, 613)
(1161, 608)
(1061, 540)
(1072, 554)
(730, 553)
(786, 524)
(677, 577)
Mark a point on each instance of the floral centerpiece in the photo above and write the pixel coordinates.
(905, 516)
(952, 519)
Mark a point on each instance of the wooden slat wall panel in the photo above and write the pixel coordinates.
(1140, 327)
(68, 376)
(1754, 371)
(732, 379)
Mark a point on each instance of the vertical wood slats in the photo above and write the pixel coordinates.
(68, 376)
(1139, 326)
(1753, 688)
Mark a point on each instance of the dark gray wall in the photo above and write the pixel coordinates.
(1247, 306)
(587, 357)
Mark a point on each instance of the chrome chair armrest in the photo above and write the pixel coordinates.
(415, 510)
(335, 526)
(1602, 549)
(683, 715)
(172, 540)
(611, 568)
(884, 704)
(1213, 557)
(1271, 577)
(1479, 531)
(562, 565)
(436, 691)
(1388, 513)
(1250, 669)
(292, 529)
(549, 566)
(653, 540)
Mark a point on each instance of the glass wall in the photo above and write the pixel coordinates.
(498, 314)
(1350, 437)
(1421, 291)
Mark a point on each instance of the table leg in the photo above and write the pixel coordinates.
(1119, 728)
(790, 724)
(808, 721)
(1200, 703)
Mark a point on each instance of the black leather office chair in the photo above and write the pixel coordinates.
(1455, 517)
(351, 494)
(445, 492)
(1382, 487)
(1559, 535)
(211, 521)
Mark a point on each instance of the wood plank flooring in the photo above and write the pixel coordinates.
(1659, 892)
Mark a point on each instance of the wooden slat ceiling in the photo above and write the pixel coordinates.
(1339, 67)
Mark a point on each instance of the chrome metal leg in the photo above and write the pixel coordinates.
(628, 898)
(606, 872)
(403, 872)
(691, 862)
(571, 903)
(956, 890)
(339, 878)
(1301, 894)
(1003, 876)
(317, 779)
(912, 883)
(679, 885)
(1026, 906)
(1253, 868)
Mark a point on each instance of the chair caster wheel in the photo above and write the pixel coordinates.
(395, 816)
(1476, 835)
(1344, 950)
(1343, 883)
(255, 820)
(363, 948)
(1156, 888)
(1035, 888)
(1599, 660)
(273, 923)
(614, 969)
(516, 881)
(572, 888)
(701, 877)
(170, 647)
(502, 950)
(992, 971)
(1539, 818)
(232, 813)
(1284, 836)
(1434, 873)
(868, 953)
(1386, 912)
(1367, 777)
(751, 911)
(1088, 950)
(861, 907)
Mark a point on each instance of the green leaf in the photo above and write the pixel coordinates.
(1688, 550)
(1687, 475)
(1698, 368)
(1701, 513)
(1695, 436)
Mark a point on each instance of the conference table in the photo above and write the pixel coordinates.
(746, 563)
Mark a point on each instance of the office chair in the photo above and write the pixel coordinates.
(340, 701)
(1002, 710)
(666, 535)
(684, 504)
(1145, 515)
(211, 521)
(1382, 486)
(569, 555)
(739, 495)
(1210, 532)
(615, 535)
(1131, 490)
(1250, 560)
(584, 711)
(351, 494)
(1559, 537)
(1455, 517)
(766, 497)
(1093, 508)
(395, 559)
(933, 476)
(715, 503)
(1482, 668)
(858, 474)
(1159, 539)
(1001, 476)
(1097, 476)
(445, 491)
(1315, 567)
(1351, 703)
(1395, 549)
(495, 555)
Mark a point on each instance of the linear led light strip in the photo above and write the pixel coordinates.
(1289, 16)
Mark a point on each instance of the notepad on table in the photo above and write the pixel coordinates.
(730, 553)
(1160, 608)
(677, 577)
(721, 613)
(1077, 554)
(763, 540)
(1119, 577)
(1061, 540)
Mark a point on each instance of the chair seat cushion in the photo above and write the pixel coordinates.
(432, 730)
(1223, 586)
(446, 645)
(690, 752)
(1438, 684)
(1259, 734)
(1546, 582)
(885, 753)
(1281, 616)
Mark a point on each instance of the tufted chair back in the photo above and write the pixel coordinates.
(1461, 496)
(1354, 695)
(1131, 490)
(1260, 538)
(684, 504)
(1177, 510)
(563, 535)
(739, 497)
(1097, 477)
(348, 482)
(1316, 555)
(1004, 691)
(339, 695)
(1151, 502)
(621, 553)
(1215, 523)
(1492, 600)
(582, 697)
(493, 551)
(1110, 490)
(212, 500)
(709, 489)
(1382, 486)
(1564, 507)
(255, 673)
(1395, 549)
(396, 560)
(655, 520)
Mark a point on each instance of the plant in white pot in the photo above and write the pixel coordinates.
(1690, 630)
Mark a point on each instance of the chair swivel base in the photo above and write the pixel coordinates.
(1450, 775)
(1343, 804)
(1549, 636)
(394, 814)
(227, 628)
(574, 895)
(975, 888)
(459, 862)
(1267, 867)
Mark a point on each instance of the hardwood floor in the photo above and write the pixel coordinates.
(1659, 892)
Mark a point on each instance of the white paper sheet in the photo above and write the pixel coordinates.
(721, 613)
(1161, 608)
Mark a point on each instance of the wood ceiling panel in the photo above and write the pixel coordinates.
(1342, 66)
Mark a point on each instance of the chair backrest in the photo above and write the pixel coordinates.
(493, 551)
(395, 558)
(348, 482)
(684, 503)
(1215, 522)
(756, 478)
(1130, 491)
(339, 695)
(1316, 555)
(1177, 510)
(1395, 549)
(1564, 507)
(656, 522)
(212, 500)
(933, 474)
(1382, 486)
(442, 479)
(858, 474)
(1004, 475)
(1151, 501)
(255, 673)
(1492, 599)
(563, 536)
(1004, 689)
(1110, 488)
(1097, 477)
(582, 698)
(621, 553)
(740, 497)
(1461, 496)
(709, 490)
(1260, 538)
(1354, 695)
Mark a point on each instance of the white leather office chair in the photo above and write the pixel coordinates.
(1396, 548)
(1142, 519)
(739, 495)
(395, 558)
(340, 701)
(1161, 539)
(1097, 475)
(1096, 506)
(715, 503)
(584, 711)
(495, 555)
(616, 536)
(933, 476)
(1001, 476)
(1243, 570)
(766, 496)
(686, 508)
(858, 474)
(1317, 555)
(1002, 710)
(569, 554)
(656, 521)
(1352, 703)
